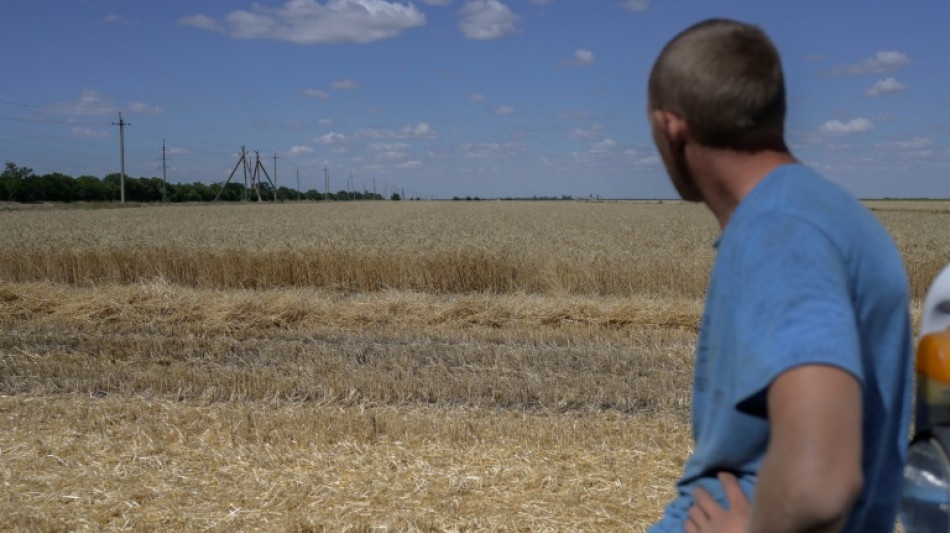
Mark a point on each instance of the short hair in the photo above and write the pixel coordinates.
(724, 78)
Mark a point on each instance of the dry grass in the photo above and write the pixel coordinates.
(450, 247)
(390, 348)
(378, 367)
(617, 249)
(142, 464)
(159, 407)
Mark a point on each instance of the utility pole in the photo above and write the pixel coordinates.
(374, 188)
(326, 183)
(275, 177)
(247, 170)
(255, 179)
(122, 124)
(242, 160)
(298, 184)
(163, 170)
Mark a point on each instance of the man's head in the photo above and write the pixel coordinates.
(719, 83)
(724, 78)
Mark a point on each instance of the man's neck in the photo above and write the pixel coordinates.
(725, 176)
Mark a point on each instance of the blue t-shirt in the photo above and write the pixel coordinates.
(804, 274)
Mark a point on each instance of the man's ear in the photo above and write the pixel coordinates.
(672, 126)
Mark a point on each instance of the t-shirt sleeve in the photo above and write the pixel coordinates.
(794, 307)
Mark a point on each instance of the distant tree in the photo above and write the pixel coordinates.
(395, 197)
(112, 183)
(284, 193)
(10, 170)
(150, 189)
(90, 189)
(56, 187)
(233, 192)
(11, 181)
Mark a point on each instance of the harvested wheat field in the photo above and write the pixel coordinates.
(377, 366)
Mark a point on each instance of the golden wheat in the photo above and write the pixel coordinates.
(355, 367)
(619, 249)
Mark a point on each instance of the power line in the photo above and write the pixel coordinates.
(160, 132)
(52, 121)
(72, 111)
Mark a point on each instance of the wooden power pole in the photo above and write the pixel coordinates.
(164, 178)
(275, 177)
(121, 124)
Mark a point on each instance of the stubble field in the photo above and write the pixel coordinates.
(379, 366)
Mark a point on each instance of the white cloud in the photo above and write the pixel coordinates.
(881, 63)
(438, 2)
(605, 145)
(573, 115)
(299, 150)
(390, 150)
(203, 22)
(178, 151)
(316, 94)
(915, 143)
(89, 103)
(310, 22)
(145, 109)
(342, 85)
(325, 122)
(637, 5)
(376, 134)
(477, 97)
(409, 165)
(420, 130)
(503, 110)
(389, 147)
(886, 86)
(118, 19)
(487, 19)
(492, 150)
(331, 138)
(582, 58)
(87, 133)
(858, 125)
(642, 157)
(594, 132)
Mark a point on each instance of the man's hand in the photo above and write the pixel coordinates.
(706, 516)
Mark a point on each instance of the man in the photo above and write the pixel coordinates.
(802, 390)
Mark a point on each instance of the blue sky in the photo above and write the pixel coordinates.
(445, 98)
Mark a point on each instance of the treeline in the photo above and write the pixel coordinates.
(20, 184)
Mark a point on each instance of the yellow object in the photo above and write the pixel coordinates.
(933, 369)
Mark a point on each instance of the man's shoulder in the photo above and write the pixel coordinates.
(798, 195)
(798, 190)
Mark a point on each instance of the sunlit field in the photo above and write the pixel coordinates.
(362, 366)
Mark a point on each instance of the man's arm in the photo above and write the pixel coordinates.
(811, 474)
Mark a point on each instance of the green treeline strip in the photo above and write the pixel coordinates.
(20, 184)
